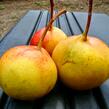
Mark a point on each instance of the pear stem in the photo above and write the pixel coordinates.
(90, 4)
(52, 8)
(48, 26)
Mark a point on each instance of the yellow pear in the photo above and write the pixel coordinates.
(82, 65)
(28, 72)
(53, 37)
(82, 61)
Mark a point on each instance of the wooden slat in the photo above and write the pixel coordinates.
(85, 100)
(21, 33)
(1, 96)
(43, 20)
(56, 21)
(3, 100)
(73, 24)
(103, 91)
(18, 104)
(99, 25)
(57, 98)
(63, 24)
(54, 102)
(1, 92)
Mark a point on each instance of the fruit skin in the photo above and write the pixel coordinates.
(82, 65)
(27, 73)
(52, 38)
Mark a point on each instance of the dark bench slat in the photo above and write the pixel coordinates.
(73, 24)
(85, 100)
(21, 32)
(99, 25)
(105, 92)
(63, 24)
(18, 104)
(43, 20)
(54, 102)
(55, 23)
(81, 99)
(2, 98)
(57, 98)
(1, 93)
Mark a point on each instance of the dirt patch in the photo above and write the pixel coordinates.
(12, 10)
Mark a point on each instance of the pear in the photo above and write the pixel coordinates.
(82, 60)
(53, 37)
(28, 72)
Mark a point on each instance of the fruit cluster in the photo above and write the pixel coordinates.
(30, 71)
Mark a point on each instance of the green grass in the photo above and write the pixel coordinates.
(67, 4)
(2, 7)
(42, 3)
(14, 17)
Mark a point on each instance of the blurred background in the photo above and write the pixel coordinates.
(12, 10)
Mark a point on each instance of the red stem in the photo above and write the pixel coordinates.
(48, 26)
(90, 4)
(52, 8)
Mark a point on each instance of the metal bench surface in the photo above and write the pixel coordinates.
(60, 97)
